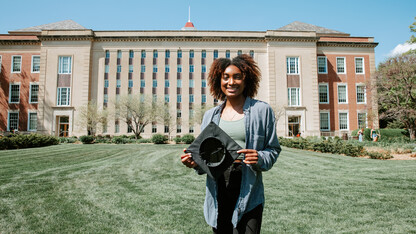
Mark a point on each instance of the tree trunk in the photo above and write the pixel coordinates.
(412, 133)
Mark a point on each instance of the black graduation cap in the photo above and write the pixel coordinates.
(214, 150)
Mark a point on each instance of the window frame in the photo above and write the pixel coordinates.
(203, 98)
(179, 68)
(339, 120)
(344, 65)
(203, 54)
(59, 100)
(329, 121)
(31, 70)
(155, 68)
(10, 93)
(167, 53)
(8, 119)
(30, 112)
(326, 64)
(12, 64)
(191, 54)
(60, 67)
(142, 68)
(179, 52)
(191, 68)
(346, 93)
(289, 95)
(297, 65)
(155, 54)
(327, 93)
(365, 93)
(30, 92)
(227, 54)
(358, 119)
(215, 54)
(178, 98)
(363, 66)
(143, 54)
(167, 83)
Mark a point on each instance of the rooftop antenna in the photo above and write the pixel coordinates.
(189, 14)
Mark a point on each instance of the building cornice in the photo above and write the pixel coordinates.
(347, 44)
(20, 42)
(66, 38)
(290, 39)
(178, 38)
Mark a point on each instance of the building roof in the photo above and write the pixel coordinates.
(298, 26)
(66, 24)
(189, 26)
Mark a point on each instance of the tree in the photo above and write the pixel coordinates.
(396, 87)
(137, 111)
(90, 116)
(412, 29)
(167, 118)
(199, 112)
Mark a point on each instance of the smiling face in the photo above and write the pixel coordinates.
(232, 82)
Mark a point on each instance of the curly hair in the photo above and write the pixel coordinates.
(248, 68)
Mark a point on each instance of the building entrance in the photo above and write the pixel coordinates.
(63, 126)
(294, 125)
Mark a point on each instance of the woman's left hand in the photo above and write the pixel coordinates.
(252, 157)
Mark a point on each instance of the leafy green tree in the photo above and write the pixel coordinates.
(90, 116)
(412, 29)
(396, 87)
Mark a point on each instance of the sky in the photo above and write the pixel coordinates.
(386, 20)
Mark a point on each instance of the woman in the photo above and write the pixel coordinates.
(234, 203)
(360, 134)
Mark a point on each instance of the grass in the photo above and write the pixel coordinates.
(145, 189)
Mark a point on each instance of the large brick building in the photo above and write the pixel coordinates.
(317, 79)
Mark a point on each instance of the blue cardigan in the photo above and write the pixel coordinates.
(260, 126)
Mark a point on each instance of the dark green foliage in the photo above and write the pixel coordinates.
(394, 135)
(27, 141)
(86, 139)
(379, 155)
(177, 140)
(188, 139)
(123, 139)
(72, 139)
(143, 140)
(159, 139)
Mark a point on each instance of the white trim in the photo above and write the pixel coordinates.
(355, 63)
(297, 65)
(31, 66)
(10, 92)
(70, 65)
(20, 68)
(345, 65)
(68, 99)
(339, 120)
(346, 93)
(329, 120)
(28, 120)
(298, 92)
(30, 92)
(366, 119)
(365, 93)
(326, 64)
(8, 119)
(327, 93)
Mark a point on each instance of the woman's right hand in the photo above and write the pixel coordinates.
(187, 160)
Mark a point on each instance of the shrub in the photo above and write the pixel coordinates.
(68, 139)
(142, 140)
(397, 135)
(159, 139)
(27, 141)
(177, 140)
(120, 139)
(86, 139)
(188, 139)
(379, 155)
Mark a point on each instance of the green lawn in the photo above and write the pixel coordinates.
(145, 189)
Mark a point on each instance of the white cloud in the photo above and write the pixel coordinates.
(401, 48)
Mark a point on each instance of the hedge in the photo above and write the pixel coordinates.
(386, 134)
(159, 139)
(19, 141)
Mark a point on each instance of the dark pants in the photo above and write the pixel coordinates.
(228, 190)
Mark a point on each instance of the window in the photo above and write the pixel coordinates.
(204, 54)
(204, 68)
(179, 53)
(154, 84)
(32, 121)
(191, 129)
(154, 99)
(166, 97)
(178, 128)
(323, 93)
(105, 98)
(179, 83)
(204, 83)
(227, 54)
(179, 98)
(142, 83)
(16, 63)
(361, 94)
(191, 68)
(204, 98)
(191, 83)
(130, 68)
(63, 96)
(167, 53)
(107, 54)
(167, 68)
(293, 97)
(359, 65)
(166, 129)
(240, 52)
(154, 68)
(322, 66)
(118, 68)
(252, 53)
(13, 121)
(116, 127)
(191, 98)
(107, 68)
(154, 128)
(129, 129)
(341, 65)
(106, 83)
(343, 121)
(178, 113)
(35, 64)
(292, 64)
(167, 83)
(191, 54)
(119, 54)
(155, 54)
(179, 68)
(65, 64)
(143, 68)
(191, 113)
(34, 90)
(14, 93)
(324, 120)
(130, 83)
(362, 120)
(143, 53)
(342, 94)
(118, 83)
(131, 54)
(215, 54)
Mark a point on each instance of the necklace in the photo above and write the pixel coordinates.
(235, 114)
